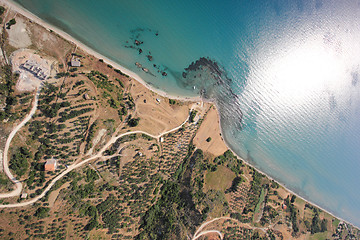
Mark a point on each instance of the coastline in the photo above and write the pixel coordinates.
(283, 184)
(19, 9)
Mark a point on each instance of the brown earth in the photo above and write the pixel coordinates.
(210, 128)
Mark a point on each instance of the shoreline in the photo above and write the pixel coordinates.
(280, 183)
(27, 14)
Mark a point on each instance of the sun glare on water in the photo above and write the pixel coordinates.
(305, 70)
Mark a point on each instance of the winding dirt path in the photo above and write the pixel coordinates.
(200, 233)
(18, 184)
(17, 191)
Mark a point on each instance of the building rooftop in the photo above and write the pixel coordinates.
(75, 62)
(51, 164)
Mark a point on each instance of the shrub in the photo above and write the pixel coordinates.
(19, 161)
(133, 122)
(10, 23)
(42, 212)
(192, 115)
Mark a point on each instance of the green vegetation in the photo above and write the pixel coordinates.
(62, 74)
(19, 161)
(73, 114)
(42, 212)
(192, 115)
(120, 82)
(261, 202)
(208, 139)
(4, 180)
(90, 136)
(8, 80)
(91, 175)
(172, 101)
(2, 10)
(293, 215)
(10, 23)
(235, 183)
(121, 73)
(101, 80)
(219, 179)
(133, 122)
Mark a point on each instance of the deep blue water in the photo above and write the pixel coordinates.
(288, 82)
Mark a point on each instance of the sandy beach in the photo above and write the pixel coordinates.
(16, 7)
(34, 18)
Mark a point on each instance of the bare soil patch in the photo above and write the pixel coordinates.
(19, 36)
(210, 128)
(155, 113)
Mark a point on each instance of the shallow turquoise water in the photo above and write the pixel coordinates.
(292, 105)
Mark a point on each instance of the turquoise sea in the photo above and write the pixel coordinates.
(284, 73)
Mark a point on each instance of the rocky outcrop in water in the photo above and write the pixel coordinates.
(211, 81)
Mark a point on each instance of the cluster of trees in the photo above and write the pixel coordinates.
(2, 10)
(91, 175)
(62, 74)
(293, 213)
(160, 220)
(121, 73)
(10, 23)
(101, 80)
(73, 114)
(19, 161)
(318, 225)
(255, 189)
(42, 212)
(78, 83)
(90, 136)
(6, 89)
(192, 115)
(133, 122)
(120, 82)
(235, 183)
(109, 214)
(51, 111)
(4, 180)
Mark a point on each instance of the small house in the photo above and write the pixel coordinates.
(51, 164)
(75, 62)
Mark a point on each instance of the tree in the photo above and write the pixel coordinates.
(42, 212)
(93, 223)
(323, 225)
(315, 226)
(2, 10)
(192, 115)
(19, 161)
(10, 23)
(133, 122)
